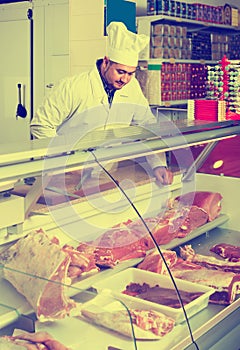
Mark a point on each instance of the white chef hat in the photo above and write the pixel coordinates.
(123, 46)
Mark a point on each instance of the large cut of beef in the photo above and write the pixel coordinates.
(210, 202)
(227, 251)
(38, 269)
(116, 245)
(132, 239)
(183, 220)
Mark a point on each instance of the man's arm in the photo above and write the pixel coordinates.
(54, 109)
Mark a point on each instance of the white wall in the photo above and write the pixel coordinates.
(86, 34)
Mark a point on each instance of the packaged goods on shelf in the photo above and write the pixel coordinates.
(200, 46)
(223, 83)
(226, 14)
(169, 41)
(151, 7)
(234, 47)
(235, 17)
(211, 110)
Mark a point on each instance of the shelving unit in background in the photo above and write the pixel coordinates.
(173, 89)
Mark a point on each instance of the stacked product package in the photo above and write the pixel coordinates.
(174, 41)
(226, 14)
(223, 84)
(170, 41)
(182, 81)
(222, 93)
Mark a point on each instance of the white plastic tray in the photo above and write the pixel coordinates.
(117, 283)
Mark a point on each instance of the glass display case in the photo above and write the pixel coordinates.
(90, 256)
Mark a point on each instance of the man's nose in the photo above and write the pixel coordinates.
(125, 78)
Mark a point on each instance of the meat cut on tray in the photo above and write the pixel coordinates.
(160, 295)
(132, 239)
(222, 276)
(147, 324)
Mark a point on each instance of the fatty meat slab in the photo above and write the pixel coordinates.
(43, 284)
(147, 324)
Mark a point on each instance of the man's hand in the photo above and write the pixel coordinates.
(163, 175)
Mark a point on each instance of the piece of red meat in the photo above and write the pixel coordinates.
(188, 253)
(115, 245)
(183, 220)
(227, 251)
(38, 268)
(226, 284)
(210, 202)
(154, 262)
(158, 226)
(80, 262)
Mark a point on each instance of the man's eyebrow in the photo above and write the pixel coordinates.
(125, 71)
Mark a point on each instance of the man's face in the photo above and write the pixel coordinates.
(116, 75)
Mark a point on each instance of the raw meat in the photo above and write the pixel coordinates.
(38, 268)
(160, 295)
(227, 251)
(210, 202)
(183, 220)
(158, 226)
(147, 324)
(80, 263)
(132, 239)
(188, 253)
(226, 284)
(154, 262)
(115, 245)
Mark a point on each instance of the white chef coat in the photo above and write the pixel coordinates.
(81, 102)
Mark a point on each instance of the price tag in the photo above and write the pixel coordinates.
(172, 60)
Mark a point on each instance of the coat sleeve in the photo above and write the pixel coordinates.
(56, 107)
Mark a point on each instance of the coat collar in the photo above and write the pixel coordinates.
(98, 88)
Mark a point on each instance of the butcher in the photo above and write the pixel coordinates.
(108, 96)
